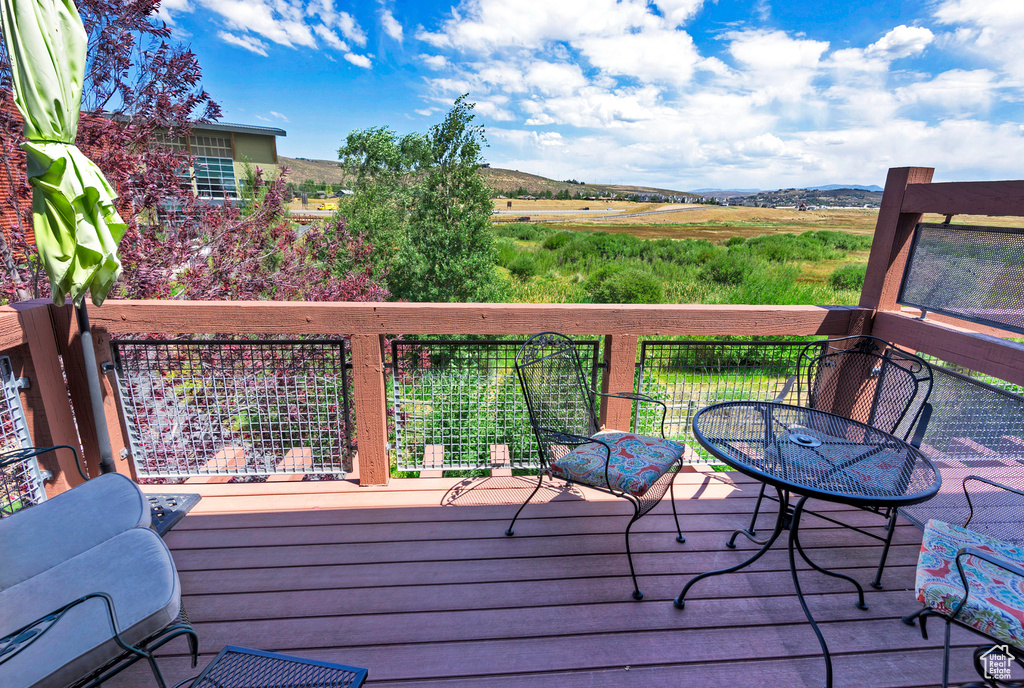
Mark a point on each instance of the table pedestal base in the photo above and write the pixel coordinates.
(788, 519)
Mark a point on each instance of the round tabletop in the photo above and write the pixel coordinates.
(816, 453)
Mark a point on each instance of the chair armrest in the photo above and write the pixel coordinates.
(24, 453)
(984, 556)
(993, 483)
(640, 397)
(14, 643)
(781, 396)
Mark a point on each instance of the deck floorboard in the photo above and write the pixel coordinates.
(417, 582)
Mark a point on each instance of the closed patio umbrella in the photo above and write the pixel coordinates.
(77, 228)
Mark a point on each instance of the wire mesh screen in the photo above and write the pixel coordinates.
(235, 407)
(458, 404)
(974, 273)
(20, 482)
(976, 428)
(689, 375)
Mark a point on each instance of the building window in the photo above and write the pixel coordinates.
(210, 146)
(215, 177)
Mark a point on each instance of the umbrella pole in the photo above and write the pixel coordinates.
(92, 374)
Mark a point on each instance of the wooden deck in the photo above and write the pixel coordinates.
(417, 582)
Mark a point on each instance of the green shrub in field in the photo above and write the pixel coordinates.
(629, 285)
(557, 241)
(731, 268)
(735, 241)
(506, 252)
(520, 231)
(849, 276)
(523, 266)
(843, 241)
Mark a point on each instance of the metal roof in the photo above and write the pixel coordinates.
(238, 128)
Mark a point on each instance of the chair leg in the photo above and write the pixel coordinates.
(891, 527)
(637, 595)
(509, 530)
(680, 538)
(909, 619)
(945, 657)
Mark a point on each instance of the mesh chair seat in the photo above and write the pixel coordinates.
(636, 463)
(995, 605)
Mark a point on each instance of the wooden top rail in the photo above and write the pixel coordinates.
(965, 198)
(12, 334)
(280, 318)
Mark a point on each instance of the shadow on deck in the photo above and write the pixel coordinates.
(417, 582)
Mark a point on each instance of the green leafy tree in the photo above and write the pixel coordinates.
(422, 205)
(450, 232)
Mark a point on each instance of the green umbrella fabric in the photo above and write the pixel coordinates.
(77, 227)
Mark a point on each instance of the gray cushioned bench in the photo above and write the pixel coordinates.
(93, 538)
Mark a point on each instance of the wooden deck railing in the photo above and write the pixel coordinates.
(35, 333)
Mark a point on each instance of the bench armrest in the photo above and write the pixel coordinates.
(984, 556)
(993, 483)
(14, 643)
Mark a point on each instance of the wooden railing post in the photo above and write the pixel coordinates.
(370, 409)
(891, 244)
(618, 376)
(48, 381)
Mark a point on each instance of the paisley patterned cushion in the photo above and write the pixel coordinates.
(636, 461)
(996, 603)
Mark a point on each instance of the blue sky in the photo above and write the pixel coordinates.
(681, 94)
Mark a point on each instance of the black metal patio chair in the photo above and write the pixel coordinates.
(868, 380)
(969, 578)
(572, 447)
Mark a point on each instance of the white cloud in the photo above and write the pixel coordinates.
(426, 112)
(176, 6)
(656, 55)
(262, 118)
(253, 45)
(274, 20)
(330, 38)
(391, 26)
(902, 41)
(957, 91)
(291, 23)
(279, 116)
(350, 28)
(678, 11)
(989, 29)
(435, 62)
(358, 60)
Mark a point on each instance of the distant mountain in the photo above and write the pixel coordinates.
(836, 187)
(501, 180)
(727, 191)
(832, 197)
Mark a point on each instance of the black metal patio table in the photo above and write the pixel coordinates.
(805, 453)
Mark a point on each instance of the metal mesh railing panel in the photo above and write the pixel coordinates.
(689, 375)
(976, 428)
(20, 482)
(235, 407)
(456, 401)
(974, 273)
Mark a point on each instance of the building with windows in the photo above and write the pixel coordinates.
(221, 152)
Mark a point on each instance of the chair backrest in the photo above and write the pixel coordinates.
(867, 379)
(556, 390)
